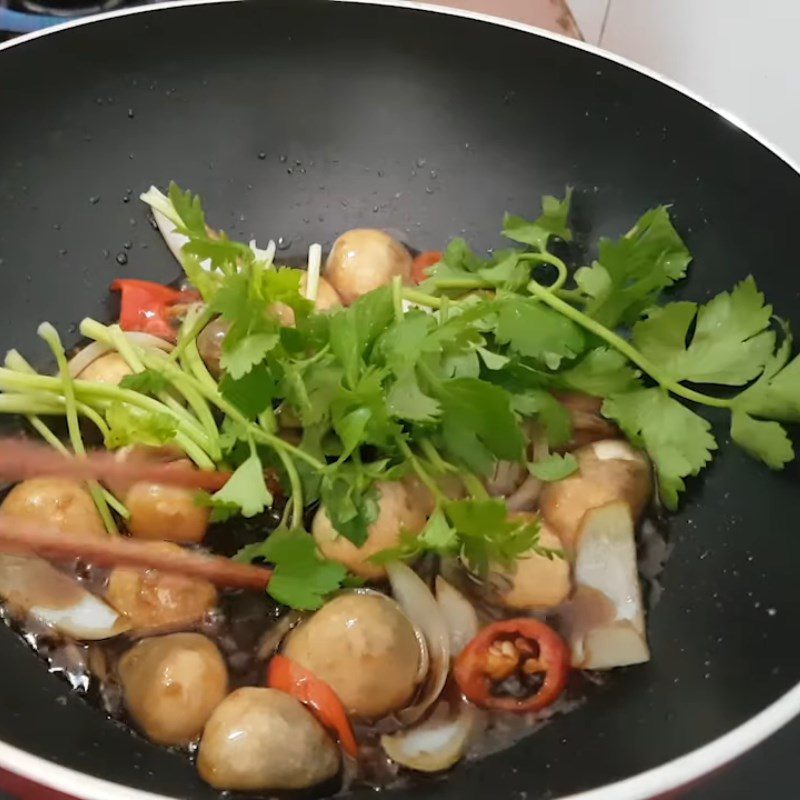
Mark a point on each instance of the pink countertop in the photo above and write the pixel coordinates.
(553, 15)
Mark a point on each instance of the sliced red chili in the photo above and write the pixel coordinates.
(145, 306)
(422, 262)
(288, 676)
(520, 647)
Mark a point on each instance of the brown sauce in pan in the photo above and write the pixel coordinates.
(248, 627)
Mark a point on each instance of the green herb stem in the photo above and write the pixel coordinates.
(192, 362)
(549, 258)
(631, 353)
(297, 489)
(198, 404)
(51, 337)
(191, 329)
(434, 457)
(444, 311)
(93, 392)
(14, 361)
(41, 428)
(138, 359)
(463, 283)
(397, 297)
(474, 486)
(422, 473)
(421, 298)
(258, 433)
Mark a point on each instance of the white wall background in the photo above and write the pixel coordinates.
(741, 55)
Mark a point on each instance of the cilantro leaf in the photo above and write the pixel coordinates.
(480, 531)
(506, 271)
(631, 272)
(548, 411)
(220, 510)
(203, 244)
(458, 261)
(536, 331)
(438, 536)
(283, 286)
(246, 488)
(776, 394)
(354, 330)
(679, 442)
(601, 372)
(461, 365)
(730, 344)
(251, 394)
(407, 401)
(232, 297)
(311, 390)
(190, 210)
(487, 534)
(362, 412)
(492, 360)
(301, 578)
(552, 222)
(245, 299)
(147, 382)
(129, 425)
(765, 441)
(478, 425)
(240, 355)
(219, 250)
(350, 499)
(403, 342)
(555, 467)
(231, 434)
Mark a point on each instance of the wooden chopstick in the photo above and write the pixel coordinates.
(22, 537)
(22, 459)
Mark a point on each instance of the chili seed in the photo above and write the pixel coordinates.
(502, 660)
(532, 666)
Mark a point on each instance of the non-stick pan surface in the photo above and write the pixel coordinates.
(299, 120)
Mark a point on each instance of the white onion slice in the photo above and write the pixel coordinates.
(312, 274)
(459, 615)
(267, 254)
(149, 340)
(435, 744)
(524, 498)
(94, 350)
(420, 606)
(506, 477)
(86, 356)
(57, 600)
(175, 241)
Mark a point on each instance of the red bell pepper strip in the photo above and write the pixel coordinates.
(522, 646)
(288, 676)
(145, 306)
(422, 262)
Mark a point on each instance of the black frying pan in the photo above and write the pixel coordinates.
(300, 120)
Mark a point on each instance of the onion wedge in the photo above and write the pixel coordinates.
(459, 615)
(416, 600)
(606, 615)
(57, 600)
(438, 742)
(94, 350)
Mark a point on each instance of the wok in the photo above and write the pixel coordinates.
(302, 119)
